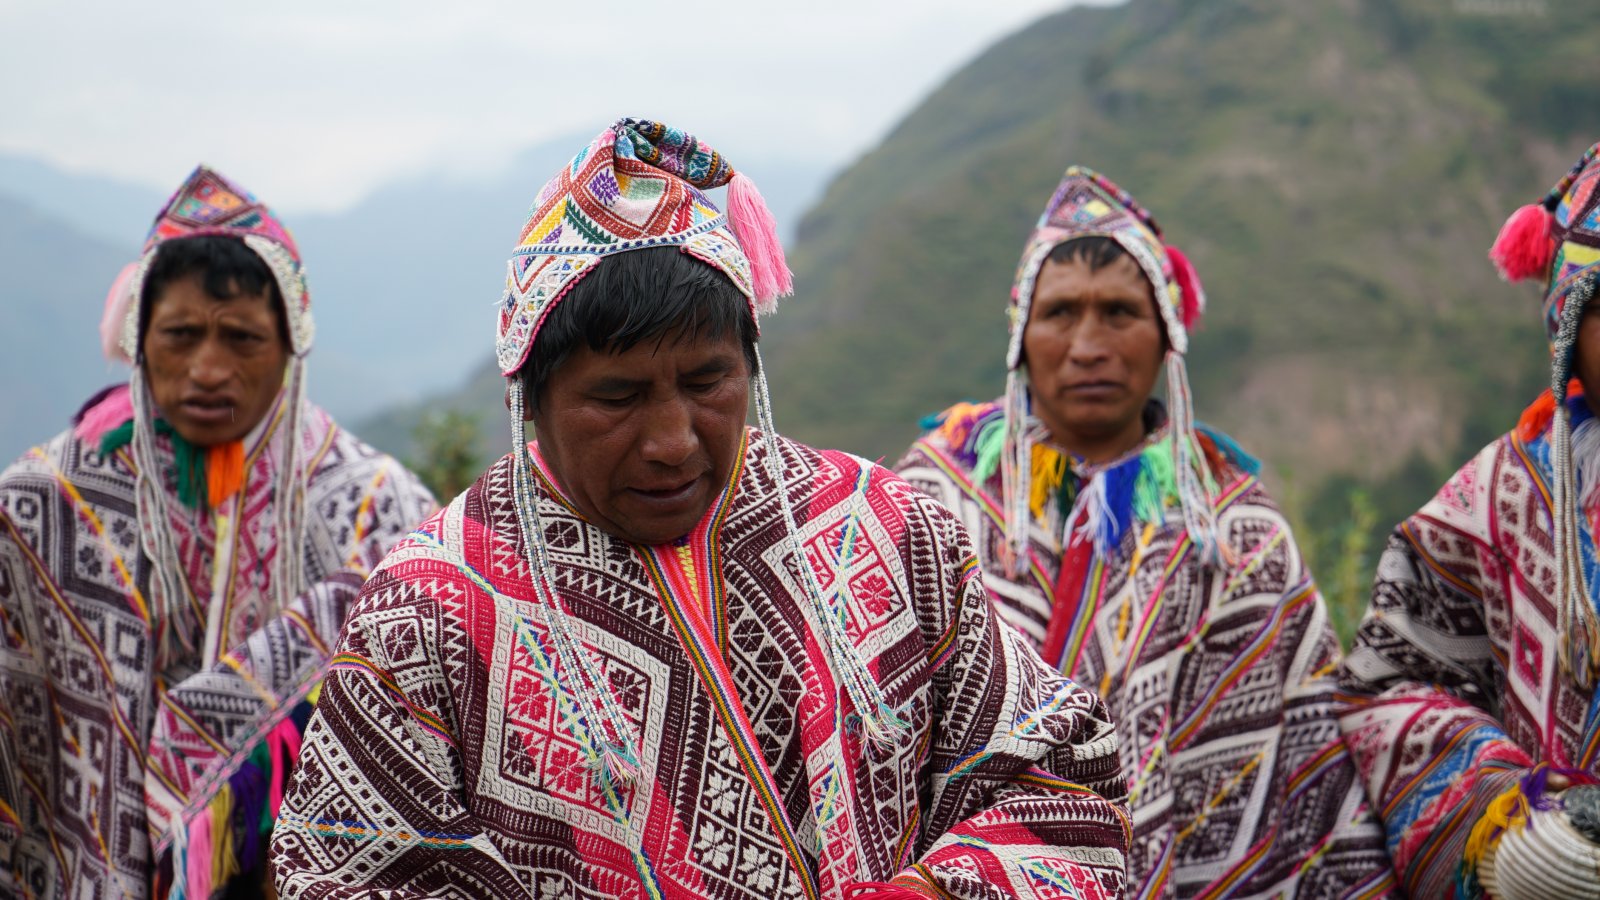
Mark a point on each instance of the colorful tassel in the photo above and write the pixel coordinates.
(1157, 483)
(1535, 420)
(753, 225)
(1193, 296)
(284, 741)
(197, 864)
(1525, 246)
(224, 471)
(1049, 470)
(114, 408)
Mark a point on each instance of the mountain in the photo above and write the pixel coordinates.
(55, 278)
(1335, 170)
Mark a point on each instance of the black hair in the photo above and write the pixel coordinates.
(1095, 251)
(227, 269)
(637, 296)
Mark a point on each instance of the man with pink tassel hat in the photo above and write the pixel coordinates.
(660, 653)
(1141, 555)
(1471, 702)
(173, 570)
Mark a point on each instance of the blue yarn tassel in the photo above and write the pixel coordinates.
(1120, 482)
(249, 785)
(1231, 449)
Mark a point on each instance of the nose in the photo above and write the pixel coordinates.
(211, 365)
(1091, 343)
(669, 437)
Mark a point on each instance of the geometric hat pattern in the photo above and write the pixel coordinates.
(638, 184)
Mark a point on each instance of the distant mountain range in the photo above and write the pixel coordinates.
(403, 284)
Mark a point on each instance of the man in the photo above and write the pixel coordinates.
(173, 570)
(1142, 557)
(661, 654)
(1475, 664)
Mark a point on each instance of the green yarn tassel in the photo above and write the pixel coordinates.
(1158, 481)
(991, 441)
(189, 461)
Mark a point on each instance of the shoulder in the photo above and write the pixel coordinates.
(826, 479)
(350, 459)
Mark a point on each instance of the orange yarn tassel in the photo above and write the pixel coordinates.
(224, 471)
(1536, 418)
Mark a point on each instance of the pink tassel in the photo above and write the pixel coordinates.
(197, 866)
(758, 235)
(1524, 246)
(284, 737)
(116, 408)
(1193, 295)
(118, 299)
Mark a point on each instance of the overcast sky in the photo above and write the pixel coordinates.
(316, 103)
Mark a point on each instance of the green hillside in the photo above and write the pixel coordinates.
(1335, 168)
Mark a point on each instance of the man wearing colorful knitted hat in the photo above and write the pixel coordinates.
(659, 653)
(1471, 684)
(173, 571)
(1140, 555)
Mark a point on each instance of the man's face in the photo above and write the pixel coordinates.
(643, 441)
(1093, 345)
(214, 366)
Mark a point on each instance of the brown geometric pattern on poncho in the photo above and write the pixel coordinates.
(437, 764)
(1239, 782)
(1453, 688)
(85, 735)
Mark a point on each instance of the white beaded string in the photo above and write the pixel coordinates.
(878, 718)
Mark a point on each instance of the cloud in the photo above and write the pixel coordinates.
(314, 106)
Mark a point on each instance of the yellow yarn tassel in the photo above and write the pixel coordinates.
(1049, 470)
(1506, 812)
(224, 858)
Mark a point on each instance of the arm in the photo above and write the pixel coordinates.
(1026, 788)
(377, 807)
(1417, 695)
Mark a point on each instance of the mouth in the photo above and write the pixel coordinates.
(1094, 389)
(668, 495)
(209, 410)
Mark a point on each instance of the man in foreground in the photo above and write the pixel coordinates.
(1142, 557)
(661, 654)
(173, 571)
(1470, 688)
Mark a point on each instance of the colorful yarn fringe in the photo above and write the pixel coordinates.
(1142, 487)
(228, 837)
(204, 475)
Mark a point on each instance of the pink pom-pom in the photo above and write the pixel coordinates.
(1192, 295)
(118, 299)
(758, 235)
(113, 410)
(1524, 246)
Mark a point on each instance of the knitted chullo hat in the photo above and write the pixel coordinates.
(1087, 204)
(1558, 240)
(641, 184)
(208, 204)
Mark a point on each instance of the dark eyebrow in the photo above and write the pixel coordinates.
(615, 385)
(715, 366)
